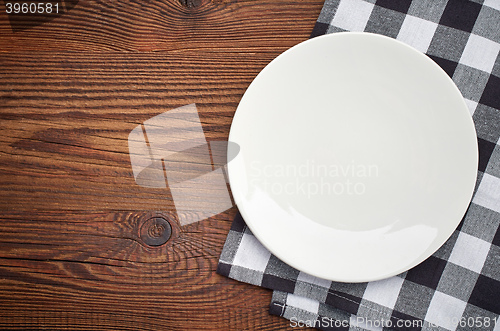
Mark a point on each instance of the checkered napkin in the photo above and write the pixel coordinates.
(458, 288)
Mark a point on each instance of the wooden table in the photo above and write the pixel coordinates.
(71, 89)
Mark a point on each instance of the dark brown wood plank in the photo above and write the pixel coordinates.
(71, 90)
(87, 271)
(156, 26)
(69, 140)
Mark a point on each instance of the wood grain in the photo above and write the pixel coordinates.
(72, 87)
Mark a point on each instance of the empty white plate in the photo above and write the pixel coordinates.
(358, 157)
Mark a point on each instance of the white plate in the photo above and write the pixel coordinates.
(358, 157)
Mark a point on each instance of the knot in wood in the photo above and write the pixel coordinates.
(155, 231)
(190, 3)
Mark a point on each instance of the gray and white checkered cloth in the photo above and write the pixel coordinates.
(457, 288)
